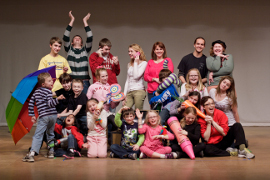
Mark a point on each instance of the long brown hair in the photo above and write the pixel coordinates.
(137, 48)
(162, 46)
(188, 110)
(231, 91)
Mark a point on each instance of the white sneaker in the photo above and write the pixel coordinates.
(246, 154)
(232, 151)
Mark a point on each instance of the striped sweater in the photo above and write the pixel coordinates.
(78, 58)
(44, 101)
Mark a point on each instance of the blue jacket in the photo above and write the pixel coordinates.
(166, 96)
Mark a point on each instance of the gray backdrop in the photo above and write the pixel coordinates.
(27, 26)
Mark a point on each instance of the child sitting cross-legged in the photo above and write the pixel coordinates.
(130, 140)
(153, 146)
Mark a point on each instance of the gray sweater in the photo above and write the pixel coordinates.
(219, 68)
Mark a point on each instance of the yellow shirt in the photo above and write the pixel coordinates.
(60, 63)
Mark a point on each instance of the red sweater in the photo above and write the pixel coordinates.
(222, 120)
(74, 131)
(112, 69)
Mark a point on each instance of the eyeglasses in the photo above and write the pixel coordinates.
(212, 104)
(150, 117)
(193, 75)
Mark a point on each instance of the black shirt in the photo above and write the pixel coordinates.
(63, 104)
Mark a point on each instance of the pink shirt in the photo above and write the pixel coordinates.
(152, 70)
(100, 91)
(150, 132)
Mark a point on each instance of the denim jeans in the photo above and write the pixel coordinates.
(45, 123)
(72, 144)
(61, 120)
(86, 85)
(164, 115)
(82, 121)
(122, 152)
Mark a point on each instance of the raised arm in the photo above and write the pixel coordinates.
(138, 72)
(66, 37)
(89, 34)
(227, 67)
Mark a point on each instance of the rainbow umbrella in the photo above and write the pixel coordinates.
(18, 120)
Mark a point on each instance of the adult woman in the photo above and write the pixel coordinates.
(218, 63)
(159, 61)
(134, 88)
(225, 99)
(217, 134)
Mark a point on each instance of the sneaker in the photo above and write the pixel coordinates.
(50, 155)
(178, 155)
(201, 154)
(132, 156)
(232, 151)
(111, 154)
(28, 158)
(172, 155)
(246, 154)
(142, 156)
(69, 155)
(77, 153)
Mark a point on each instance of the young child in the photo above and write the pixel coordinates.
(77, 54)
(47, 114)
(168, 94)
(97, 125)
(99, 91)
(65, 80)
(53, 59)
(152, 146)
(77, 105)
(176, 108)
(192, 130)
(130, 140)
(74, 143)
(194, 83)
(104, 58)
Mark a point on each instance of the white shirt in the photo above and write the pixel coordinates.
(135, 77)
(203, 93)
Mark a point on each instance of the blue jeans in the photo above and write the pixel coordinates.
(86, 85)
(72, 144)
(61, 120)
(122, 152)
(82, 121)
(46, 123)
(164, 115)
(150, 95)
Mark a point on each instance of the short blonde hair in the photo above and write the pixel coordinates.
(147, 117)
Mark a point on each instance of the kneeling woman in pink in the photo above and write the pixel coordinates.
(158, 62)
(152, 146)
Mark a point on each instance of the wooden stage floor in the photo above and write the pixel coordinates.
(12, 167)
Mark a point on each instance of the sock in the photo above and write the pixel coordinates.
(71, 150)
(162, 156)
(242, 147)
(32, 153)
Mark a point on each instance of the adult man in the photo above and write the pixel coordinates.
(194, 60)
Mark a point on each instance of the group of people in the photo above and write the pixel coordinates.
(80, 114)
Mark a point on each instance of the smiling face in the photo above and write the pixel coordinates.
(159, 52)
(209, 107)
(225, 85)
(77, 41)
(55, 48)
(103, 77)
(48, 83)
(193, 77)
(105, 50)
(77, 88)
(66, 85)
(69, 121)
(132, 53)
(129, 119)
(199, 45)
(193, 99)
(153, 119)
(190, 118)
(218, 49)
(91, 106)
